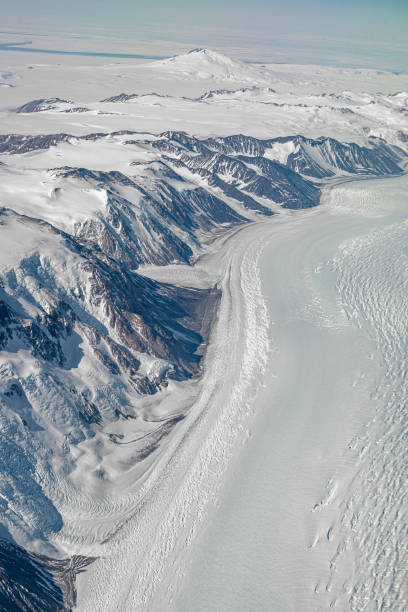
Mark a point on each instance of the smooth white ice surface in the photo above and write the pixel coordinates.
(311, 514)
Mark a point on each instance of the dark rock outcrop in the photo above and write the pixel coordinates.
(44, 104)
(35, 583)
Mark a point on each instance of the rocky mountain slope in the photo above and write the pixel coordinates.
(87, 339)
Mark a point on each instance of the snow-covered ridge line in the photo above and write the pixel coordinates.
(47, 104)
(254, 106)
(86, 340)
(312, 157)
(41, 105)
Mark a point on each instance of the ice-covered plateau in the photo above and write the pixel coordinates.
(96, 353)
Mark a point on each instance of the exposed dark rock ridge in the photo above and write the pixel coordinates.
(43, 333)
(36, 583)
(76, 109)
(380, 160)
(143, 315)
(15, 144)
(229, 190)
(232, 145)
(213, 93)
(317, 158)
(122, 97)
(49, 104)
(244, 162)
(44, 104)
(258, 176)
(281, 184)
(136, 210)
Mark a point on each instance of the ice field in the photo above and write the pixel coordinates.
(312, 515)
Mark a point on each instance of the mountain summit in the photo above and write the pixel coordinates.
(208, 64)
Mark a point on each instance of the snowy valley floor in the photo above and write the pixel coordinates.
(310, 512)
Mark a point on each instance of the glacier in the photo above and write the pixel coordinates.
(135, 331)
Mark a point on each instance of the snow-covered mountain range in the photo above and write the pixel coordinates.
(87, 338)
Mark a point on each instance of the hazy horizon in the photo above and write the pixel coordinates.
(359, 34)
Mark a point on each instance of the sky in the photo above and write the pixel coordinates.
(263, 30)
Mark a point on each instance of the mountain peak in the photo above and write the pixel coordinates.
(201, 63)
(197, 50)
(209, 53)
